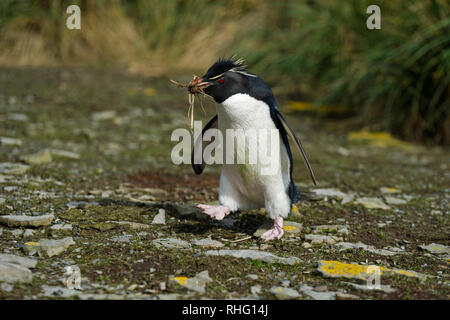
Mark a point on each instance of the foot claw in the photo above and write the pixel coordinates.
(276, 232)
(215, 212)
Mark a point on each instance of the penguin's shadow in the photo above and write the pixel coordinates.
(237, 222)
(240, 221)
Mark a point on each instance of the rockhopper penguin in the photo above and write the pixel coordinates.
(246, 102)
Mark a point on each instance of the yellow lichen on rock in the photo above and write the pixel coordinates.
(335, 269)
(180, 280)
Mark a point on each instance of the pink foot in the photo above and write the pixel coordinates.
(215, 212)
(276, 232)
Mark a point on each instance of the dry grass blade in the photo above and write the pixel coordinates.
(193, 91)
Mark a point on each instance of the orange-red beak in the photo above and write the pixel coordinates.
(198, 83)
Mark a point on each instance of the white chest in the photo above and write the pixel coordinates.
(242, 111)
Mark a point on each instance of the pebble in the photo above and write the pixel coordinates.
(18, 260)
(122, 238)
(256, 290)
(435, 248)
(103, 115)
(16, 232)
(171, 243)
(64, 154)
(341, 229)
(15, 268)
(40, 157)
(13, 168)
(359, 245)
(26, 221)
(6, 287)
(160, 218)
(319, 238)
(332, 193)
(48, 247)
(372, 203)
(285, 283)
(207, 243)
(388, 190)
(61, 227)
(345, 296)
(254, 255)
(197, 283)
(282, 293)
(384, 288)
(11, 273)
(395, 201)
(132, 225)
(252, 276)
(5, 141)
(317, 295)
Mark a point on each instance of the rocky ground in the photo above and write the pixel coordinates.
(87, 188)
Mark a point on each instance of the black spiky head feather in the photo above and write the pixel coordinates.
(223, 65)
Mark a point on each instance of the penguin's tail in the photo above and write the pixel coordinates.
(297, 195)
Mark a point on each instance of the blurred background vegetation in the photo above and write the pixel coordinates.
(318, 52)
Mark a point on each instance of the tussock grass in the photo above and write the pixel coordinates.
(394, 79)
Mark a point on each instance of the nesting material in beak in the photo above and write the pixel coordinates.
(195, 87)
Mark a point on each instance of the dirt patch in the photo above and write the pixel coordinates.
(167, 186)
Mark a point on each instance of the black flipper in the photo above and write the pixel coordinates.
(294, 137)
(199, 167)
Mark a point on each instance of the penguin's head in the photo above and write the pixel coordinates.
(225, 78)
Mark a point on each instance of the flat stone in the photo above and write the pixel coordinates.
(384, 288)
(197, 283)
(317, 295)
(18, 260)
(11, 272)
(18, 117)
(345, 296)
(122, 238)
(389, 190)
(372, 203)
(104, 115)
(16, 232)
(256, 290)
(5, 141)
(436, 248)
(55, 247)
(31, 247)
(329, 192)
(13, 168)
(395, 201)
(283, 293)
(62, 227)
(337, 228)
(291, 229)
(26, 221)
(171, 243)
(320, 238)
(160, 218)
(253, 255)
(208, 243)
(40, 157)
(359, 245)
(252, 276)
(6, 287)
(132, 225)
(62, 292)
(64, 154)
(336, 269)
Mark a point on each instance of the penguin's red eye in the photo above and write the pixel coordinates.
(220, 80)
